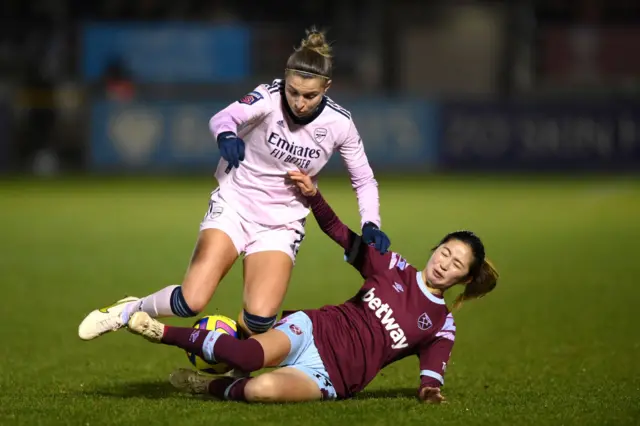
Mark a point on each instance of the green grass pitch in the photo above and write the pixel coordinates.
(557, 343)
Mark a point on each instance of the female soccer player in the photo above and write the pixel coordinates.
(335, 351)
(255, 211)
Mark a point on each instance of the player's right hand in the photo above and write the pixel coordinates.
(303, 182)
(231, 149)
(431, 395)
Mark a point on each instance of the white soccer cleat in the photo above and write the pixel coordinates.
(141, 323)
(104, 320)
(190, 381)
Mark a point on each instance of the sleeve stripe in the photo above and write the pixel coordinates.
(338, 109)
(446, 335)
(433, 375)
(275, 87)
(449, 324)
(394, 260)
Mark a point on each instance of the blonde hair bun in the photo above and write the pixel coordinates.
(316, 41)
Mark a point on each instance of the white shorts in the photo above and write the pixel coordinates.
(251, 237)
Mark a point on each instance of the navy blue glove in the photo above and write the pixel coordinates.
(371, 234)
(231, 149)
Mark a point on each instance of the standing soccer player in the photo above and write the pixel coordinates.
(256, 211)
(335, 351)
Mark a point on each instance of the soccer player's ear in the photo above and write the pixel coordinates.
(466, 280)
(327, 85)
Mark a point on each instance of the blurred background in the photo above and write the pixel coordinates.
(128, 86)
(479, 115)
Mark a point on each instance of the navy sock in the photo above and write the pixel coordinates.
(258, 324)
(179, 305)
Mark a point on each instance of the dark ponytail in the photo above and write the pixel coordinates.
(485, 280)
(483, 275)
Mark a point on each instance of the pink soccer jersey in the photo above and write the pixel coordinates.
(275, 144)
(393, 315)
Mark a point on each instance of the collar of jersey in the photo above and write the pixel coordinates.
(304, 120)
(426, 292)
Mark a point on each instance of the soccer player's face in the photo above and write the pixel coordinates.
(304, 94)
(449, 264)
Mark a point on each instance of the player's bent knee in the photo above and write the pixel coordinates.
(196, 297)
(264, 388)
(258, 324)
(196, 304)
(181, 307)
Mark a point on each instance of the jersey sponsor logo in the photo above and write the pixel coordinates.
(424, 322)
(388, 321)
(251, 98)
(289, 152)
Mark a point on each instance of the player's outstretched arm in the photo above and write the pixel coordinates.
(362, 256)
(251, 107)
(225, 124)
(434, 358)
(366, 187)
(433, 361)
(327, 219)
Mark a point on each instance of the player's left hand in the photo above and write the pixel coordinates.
(371, 234)
(431, 395)
(303, 182)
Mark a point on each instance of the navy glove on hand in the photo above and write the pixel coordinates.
(372, 235)
(231, 149)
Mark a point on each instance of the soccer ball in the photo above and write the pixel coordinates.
(218, 323)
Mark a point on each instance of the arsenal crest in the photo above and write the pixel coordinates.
(319, 134)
